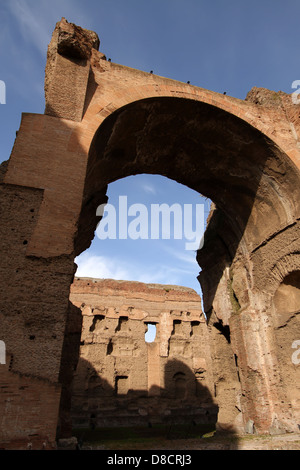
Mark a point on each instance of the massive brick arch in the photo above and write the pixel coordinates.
(206, 148)
(247, 176)
(102, 122)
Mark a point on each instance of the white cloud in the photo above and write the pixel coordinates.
(31, 26)
(99, 267)
(37, 20)
(187, 257)
(102, 267)
(148, 188)
(27, 29)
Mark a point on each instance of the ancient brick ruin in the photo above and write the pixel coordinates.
(121, 379)
(105, 121)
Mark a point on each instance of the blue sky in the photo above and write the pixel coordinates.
(220, 45)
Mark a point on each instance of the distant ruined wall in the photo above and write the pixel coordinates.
(123, 380)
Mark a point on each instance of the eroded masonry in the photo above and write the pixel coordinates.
(122, 378)
(104, 121)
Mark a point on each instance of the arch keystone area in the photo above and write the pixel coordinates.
(105, 121)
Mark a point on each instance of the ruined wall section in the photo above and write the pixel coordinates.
(122, 379)
(32, 319)
(286, 323)
(43, 193)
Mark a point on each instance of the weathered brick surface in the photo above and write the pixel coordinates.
(110, 121)
(28, 410)
(122, 379)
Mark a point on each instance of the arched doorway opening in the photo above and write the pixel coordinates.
(150, 232)
(161, 232)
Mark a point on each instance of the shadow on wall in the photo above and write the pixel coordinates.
(183, 408)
